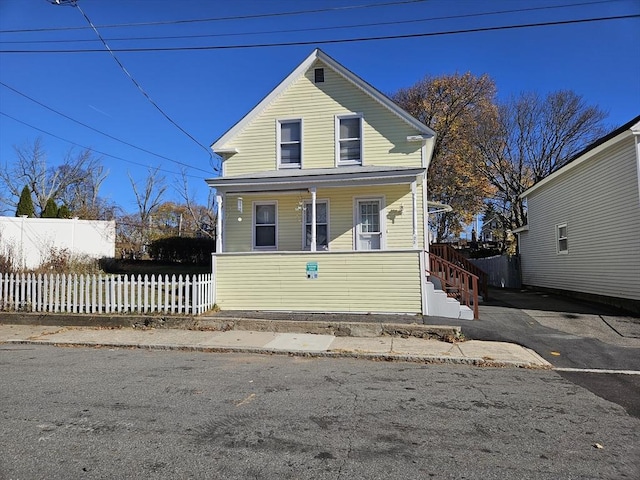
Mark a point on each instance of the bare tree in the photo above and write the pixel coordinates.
(149, 195)
(201, 217)
(82, 197)
(47, 181)
(531, 138)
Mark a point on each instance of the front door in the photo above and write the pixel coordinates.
(368, 228)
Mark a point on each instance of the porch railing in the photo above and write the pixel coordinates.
(450, 254)
(107, 294)
(455, 281)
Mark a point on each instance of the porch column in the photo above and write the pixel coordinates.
(219, 223)
(313, 218)
(414, 212)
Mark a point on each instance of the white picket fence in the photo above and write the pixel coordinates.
(108, 294)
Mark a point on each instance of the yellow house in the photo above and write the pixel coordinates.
(322, 201)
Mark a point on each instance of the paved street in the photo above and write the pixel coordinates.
(570, 334)
(101, 413)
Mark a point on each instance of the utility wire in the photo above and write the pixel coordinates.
(217, 19)
(99, 131)
(343, 40)
(338, 27)
(92, 149)
(146, 95)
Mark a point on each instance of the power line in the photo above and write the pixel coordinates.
(144, 93)
(334, 41)
(99, 131)
(338, 27)
(92, 149)
(218, 19)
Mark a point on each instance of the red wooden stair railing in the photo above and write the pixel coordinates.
(459, 278)
(450, 254)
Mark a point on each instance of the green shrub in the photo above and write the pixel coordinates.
(182, 249)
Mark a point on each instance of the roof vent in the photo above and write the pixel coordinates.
(319, 75)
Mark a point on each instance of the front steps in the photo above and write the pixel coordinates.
(441, 305)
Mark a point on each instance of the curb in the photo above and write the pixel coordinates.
(338, 329)
(387, 357)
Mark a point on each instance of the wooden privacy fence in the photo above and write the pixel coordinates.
(102, 294)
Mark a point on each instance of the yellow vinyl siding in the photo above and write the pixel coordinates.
(385, 134)
(347, 282)
(398, 220)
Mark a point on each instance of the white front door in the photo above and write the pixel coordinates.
(368, 225)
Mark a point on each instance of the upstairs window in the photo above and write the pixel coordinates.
(349, 140)
(562, 237)
(290, 143)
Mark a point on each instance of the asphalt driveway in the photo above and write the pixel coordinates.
(592, 345)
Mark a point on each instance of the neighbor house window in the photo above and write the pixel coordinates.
(265, 226)
(349, 140)
(563, 242)
(289, 143)
(322, 225)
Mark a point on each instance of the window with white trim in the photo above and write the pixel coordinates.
(289, 143)
(562, 238)
(322, 225)
(265, 223)
(349, 140)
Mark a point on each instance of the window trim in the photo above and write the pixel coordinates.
(255, 204)
(383, 224)
(337, 139)
(279, 122)
(560, 238)
(307, 203)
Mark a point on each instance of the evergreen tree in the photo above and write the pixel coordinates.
(64, 212)
(50, 209)
(25, 205)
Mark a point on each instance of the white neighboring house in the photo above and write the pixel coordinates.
(583, 231)
(30, 240)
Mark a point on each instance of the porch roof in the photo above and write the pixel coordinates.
(299, 179)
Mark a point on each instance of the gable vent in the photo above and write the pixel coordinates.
(319, 75)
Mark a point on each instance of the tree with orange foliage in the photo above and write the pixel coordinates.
(454, 106)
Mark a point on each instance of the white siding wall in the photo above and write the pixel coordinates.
(599, 202)
(30, 240)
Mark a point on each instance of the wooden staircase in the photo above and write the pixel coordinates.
(458, 277)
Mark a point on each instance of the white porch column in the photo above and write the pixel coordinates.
(219, 224)
(414, 212)
(313, 218)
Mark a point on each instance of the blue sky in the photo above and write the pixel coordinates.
(207, 91)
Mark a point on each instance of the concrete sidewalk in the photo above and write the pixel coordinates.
(377, 347)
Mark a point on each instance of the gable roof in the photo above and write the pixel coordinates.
(632, 127)
(219, 145)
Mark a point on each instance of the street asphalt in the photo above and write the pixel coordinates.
(592, 345)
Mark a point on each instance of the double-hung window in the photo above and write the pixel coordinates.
(265, 224)
(322, 225)
(289, 143)
(349, 140)
(562, 238)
